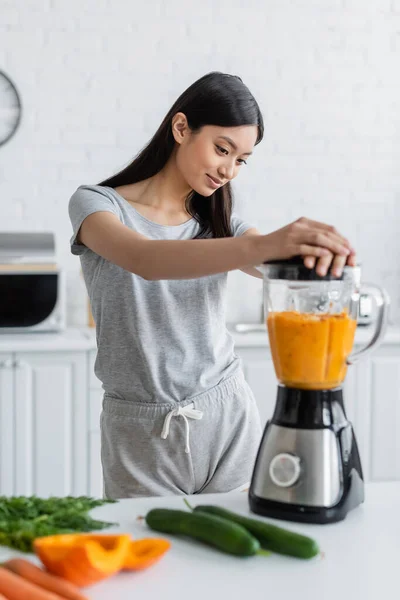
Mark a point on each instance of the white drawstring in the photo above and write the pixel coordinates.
(186, 412)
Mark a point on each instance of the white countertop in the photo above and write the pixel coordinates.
(260, 338)
(69, 340)
(361, 556)
(84, 338)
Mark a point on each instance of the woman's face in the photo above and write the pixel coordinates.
(212, 156)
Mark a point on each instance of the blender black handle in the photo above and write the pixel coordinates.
(382, 302)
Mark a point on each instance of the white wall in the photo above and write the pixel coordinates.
(96, 78)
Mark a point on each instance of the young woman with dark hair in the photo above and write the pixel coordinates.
(156, 242)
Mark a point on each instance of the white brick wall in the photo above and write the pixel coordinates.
(96, 78)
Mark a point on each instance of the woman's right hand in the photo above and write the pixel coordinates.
(321, 246)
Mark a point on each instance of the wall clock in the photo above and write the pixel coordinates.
(10, 108)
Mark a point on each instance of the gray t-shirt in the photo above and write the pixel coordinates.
(158, 341)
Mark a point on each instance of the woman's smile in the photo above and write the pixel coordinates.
(212, 182)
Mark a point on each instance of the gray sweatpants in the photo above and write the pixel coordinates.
(204, 444)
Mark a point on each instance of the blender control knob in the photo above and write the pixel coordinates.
(284, 469)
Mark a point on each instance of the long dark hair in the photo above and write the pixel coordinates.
(214, 99)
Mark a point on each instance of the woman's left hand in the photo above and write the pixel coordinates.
(335, 264)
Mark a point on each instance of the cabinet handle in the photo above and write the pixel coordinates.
(6, 364)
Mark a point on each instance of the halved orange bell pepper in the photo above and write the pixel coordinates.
(145, 552)
(85, 558)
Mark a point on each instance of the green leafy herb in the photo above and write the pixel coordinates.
(24, 518)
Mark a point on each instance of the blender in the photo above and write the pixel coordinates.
(308, 467)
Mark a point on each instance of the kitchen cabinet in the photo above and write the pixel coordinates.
(43, 429)
(7, 412)
(50, 405)
(382, 417)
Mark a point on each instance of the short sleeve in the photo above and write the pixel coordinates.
(239, 226)
(85, 201)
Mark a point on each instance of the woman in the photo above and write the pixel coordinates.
(156, 242)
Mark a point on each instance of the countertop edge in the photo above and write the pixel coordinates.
(84, 339)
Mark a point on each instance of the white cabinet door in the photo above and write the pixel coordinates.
(95, 469)
(260, 375)
(51, 423)
(385, 415)
(7, 412)
(95, 403)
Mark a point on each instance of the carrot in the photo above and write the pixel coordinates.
(52, 583)
(15, 587)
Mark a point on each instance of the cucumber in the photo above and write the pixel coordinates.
(270, 536)
(211, 529)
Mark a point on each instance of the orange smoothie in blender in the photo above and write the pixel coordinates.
(309, 351)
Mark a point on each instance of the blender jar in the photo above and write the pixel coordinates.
(312, 320)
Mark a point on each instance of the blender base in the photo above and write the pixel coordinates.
(311, 514)
(308, 467)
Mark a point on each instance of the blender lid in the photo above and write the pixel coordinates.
(294, 269)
